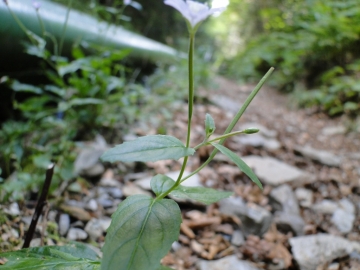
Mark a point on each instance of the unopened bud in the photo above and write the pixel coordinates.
(251, 130)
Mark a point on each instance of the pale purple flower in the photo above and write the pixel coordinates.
(36, 5)
(127, 2)
(193, 12)
(5, 1)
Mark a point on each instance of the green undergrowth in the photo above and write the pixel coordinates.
(310, 43)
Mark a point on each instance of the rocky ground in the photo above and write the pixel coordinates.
(305, 218)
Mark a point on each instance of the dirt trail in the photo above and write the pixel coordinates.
(300, 127)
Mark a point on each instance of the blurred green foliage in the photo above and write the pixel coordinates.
(312, 43)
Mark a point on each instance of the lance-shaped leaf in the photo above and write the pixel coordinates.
(141, 233)
(209, 125)
(148, 148)
(52, 257)
(161, 183)
(239, 162)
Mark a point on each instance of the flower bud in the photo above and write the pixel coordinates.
(251, 130)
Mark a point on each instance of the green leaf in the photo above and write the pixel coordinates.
(141, 233)
(71, 257)
(239, 162)
(209, 125)
(148, 148)
(22, 87)
(161, 183)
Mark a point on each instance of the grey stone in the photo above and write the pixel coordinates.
(13, 209)
(237, 238)
(105, 223)
(233, 206)
(257, 140)
(116, 193)
(284, 197)
(76, 234)
(92, 205)
(109, 182)
(315, 250)
(320, 156)
(325, 207)
(255, 219)
(105, 202)
(94, 229)
(132, 189)
(226, 103)
(226, 263)
(347, 205)
(96, 170)
(287, 222)
(87, 162)
(343, 220)
(334, 130)
(304, 196)
(64, 224)
(274, 172)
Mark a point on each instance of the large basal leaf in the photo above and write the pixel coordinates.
(161, 183)
(141, 233)
(71, 257)
(239, 162)
(148, 148)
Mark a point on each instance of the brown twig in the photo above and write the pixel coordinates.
(40, 205)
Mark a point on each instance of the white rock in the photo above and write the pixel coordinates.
(334, 130)
(314, 250)
(325, 207)
(347, 205)
(13, 209)
(94, 229)
(274, 172)
(237, 238)
(323, 157)
(285, 196)
(304, 196)
(76, 234)
(226, 263)
(92, 205)
(343, 220)
(64, 224)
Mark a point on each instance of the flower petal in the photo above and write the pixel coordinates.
(180, 6)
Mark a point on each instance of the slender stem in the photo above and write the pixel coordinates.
(190, 102)
(65, 26)
(190, 111)
(22, 26)
(39, 207)
(41, 23)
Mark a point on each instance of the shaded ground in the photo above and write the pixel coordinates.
(252, 230)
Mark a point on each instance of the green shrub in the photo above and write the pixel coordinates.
(306, 41)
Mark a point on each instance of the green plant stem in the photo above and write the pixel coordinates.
(190, 103)
(225, 136)
(227, 131)
(65, 27)
(190, 111)
(21, 25)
